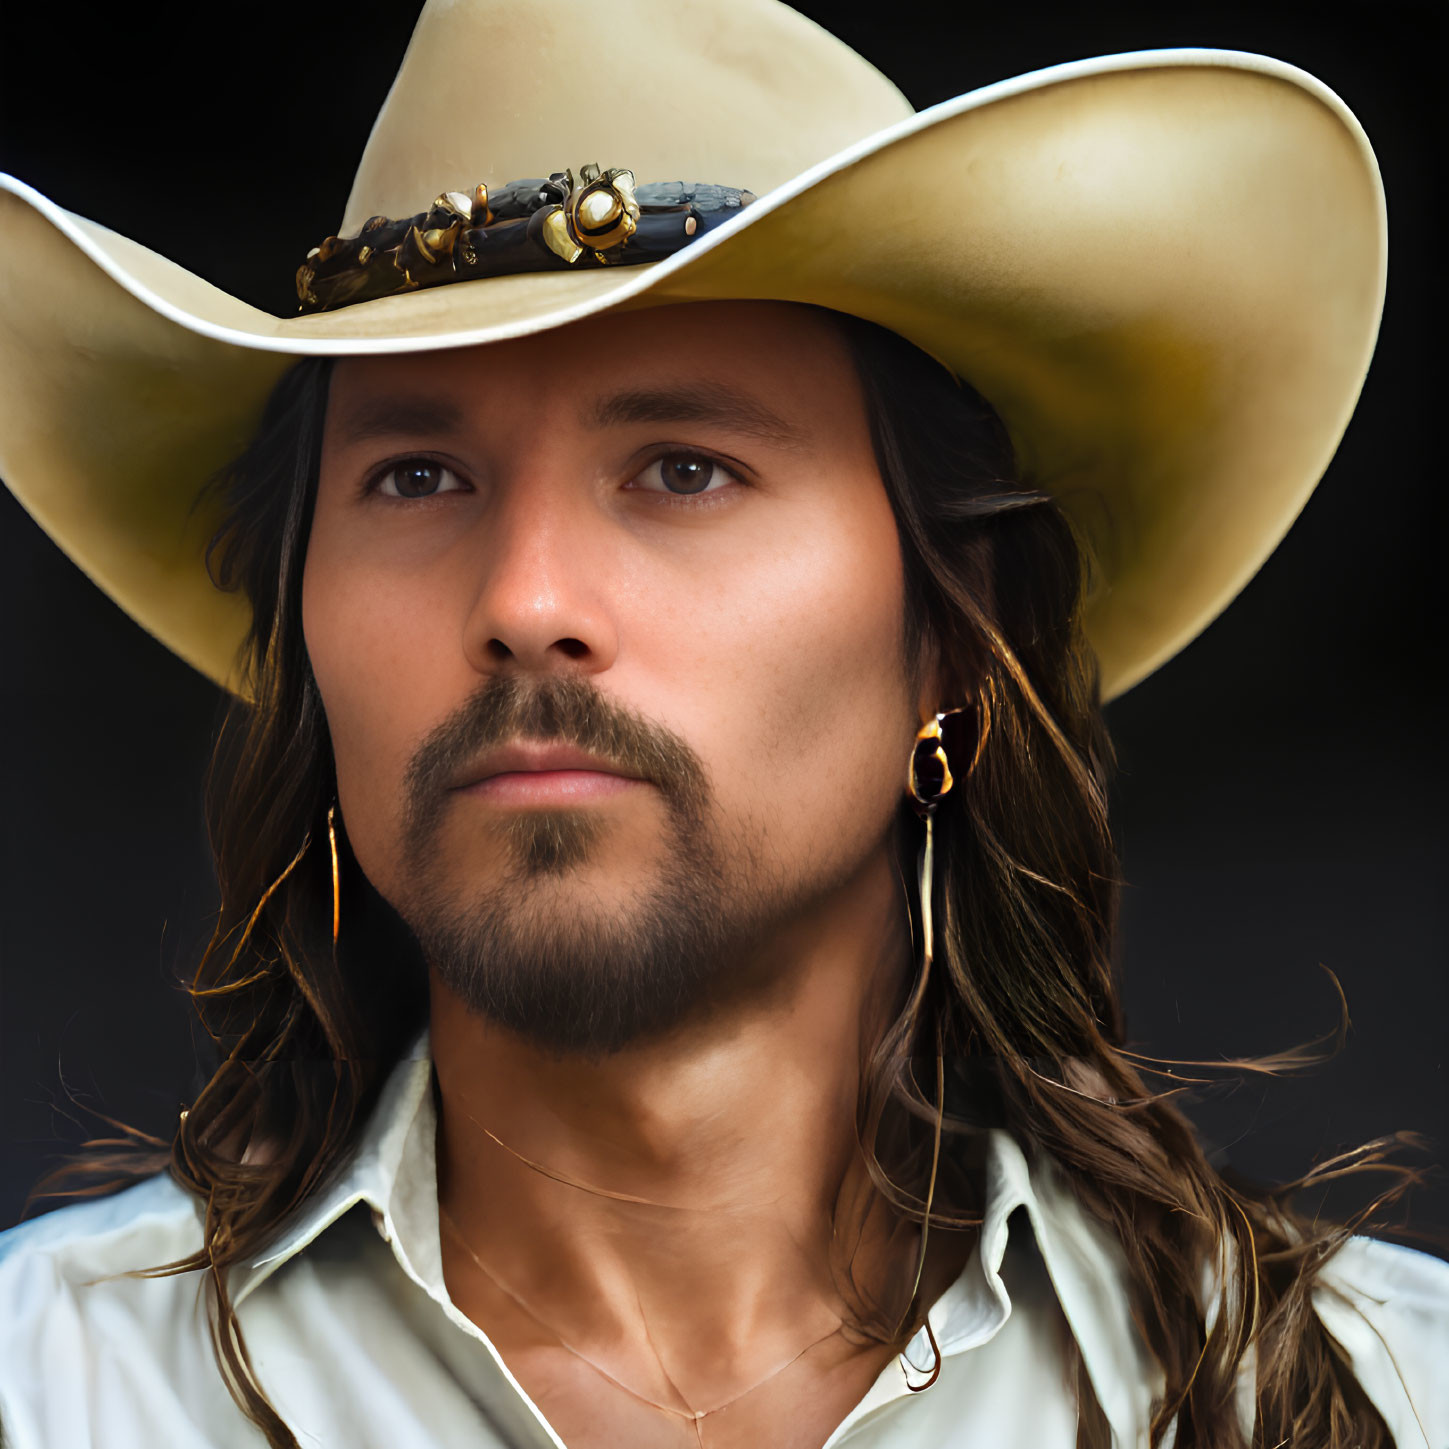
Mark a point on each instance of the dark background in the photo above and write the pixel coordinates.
(1283, 783)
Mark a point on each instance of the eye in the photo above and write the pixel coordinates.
(683, 473)
(416, 478)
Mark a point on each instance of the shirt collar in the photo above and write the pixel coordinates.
(394, 1171)
(1088, 1273)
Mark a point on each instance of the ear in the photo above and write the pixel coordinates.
(939, 687)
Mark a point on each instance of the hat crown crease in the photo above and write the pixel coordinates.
(743, 93)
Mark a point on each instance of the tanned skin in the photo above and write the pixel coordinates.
(761, 622)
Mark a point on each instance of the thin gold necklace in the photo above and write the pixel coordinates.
(690, 1416)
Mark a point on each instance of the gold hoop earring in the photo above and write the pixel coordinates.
(336, 872)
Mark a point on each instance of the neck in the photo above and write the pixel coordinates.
(684, 1190)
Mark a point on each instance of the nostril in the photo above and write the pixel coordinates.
(498, 650)
(574, 648)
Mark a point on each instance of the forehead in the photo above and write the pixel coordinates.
(773, 361)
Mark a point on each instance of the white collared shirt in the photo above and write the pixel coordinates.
(357, 1343)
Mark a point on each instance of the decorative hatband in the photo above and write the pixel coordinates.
(603, 219)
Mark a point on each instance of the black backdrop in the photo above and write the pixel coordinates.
(1283, 785)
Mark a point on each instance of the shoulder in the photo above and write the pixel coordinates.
(140, 1227)
(75, 1329)
(1388, 1308)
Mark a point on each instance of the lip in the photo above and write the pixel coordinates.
(524, 774)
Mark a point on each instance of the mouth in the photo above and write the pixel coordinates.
(522, 774)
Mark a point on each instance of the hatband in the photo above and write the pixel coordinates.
(602, 219)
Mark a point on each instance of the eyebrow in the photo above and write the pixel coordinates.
(404, 415)
(702, 402)
(398, 415)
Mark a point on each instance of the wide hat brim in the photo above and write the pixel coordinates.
(1164, 269)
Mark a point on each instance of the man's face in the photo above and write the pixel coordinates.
(608, 628)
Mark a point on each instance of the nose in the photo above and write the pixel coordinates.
(542, 602)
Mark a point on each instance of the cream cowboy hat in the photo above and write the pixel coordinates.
(1164, 269)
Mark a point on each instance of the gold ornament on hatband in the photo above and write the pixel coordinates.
(600, 218)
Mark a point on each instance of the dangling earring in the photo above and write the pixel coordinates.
(929, 781)
(336, 873)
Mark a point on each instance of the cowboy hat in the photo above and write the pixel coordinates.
(1164, 269)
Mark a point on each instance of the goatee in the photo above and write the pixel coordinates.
(578, 981)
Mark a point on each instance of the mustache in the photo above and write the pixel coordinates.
(564, 709)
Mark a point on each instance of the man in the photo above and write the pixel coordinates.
(631, 660)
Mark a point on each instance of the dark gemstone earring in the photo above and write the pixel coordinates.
(929, 779)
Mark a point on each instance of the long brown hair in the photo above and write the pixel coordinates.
(1020, 1011)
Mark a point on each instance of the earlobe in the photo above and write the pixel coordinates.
(940, 690)
(929, 678)
(930, 778)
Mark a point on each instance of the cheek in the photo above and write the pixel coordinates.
(382, 679)
(813, 715)
(844, 712)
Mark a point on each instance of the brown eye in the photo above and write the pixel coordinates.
(684, 473)
(418, 478)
